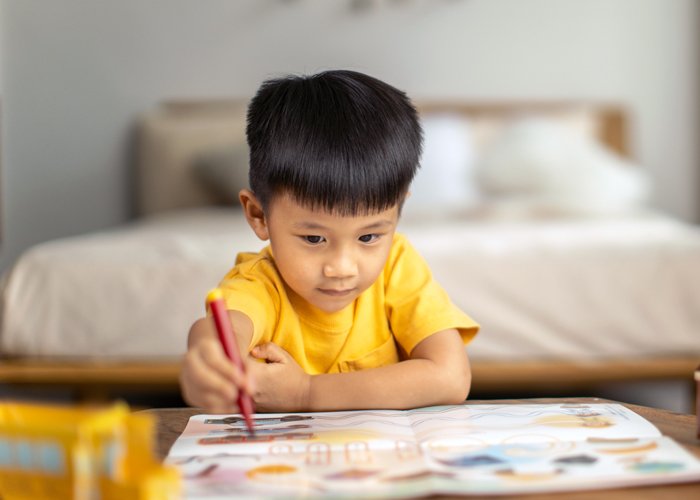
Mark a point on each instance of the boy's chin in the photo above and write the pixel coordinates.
(332, 306)
(330, 309)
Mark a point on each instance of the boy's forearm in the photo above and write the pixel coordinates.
(408, 384)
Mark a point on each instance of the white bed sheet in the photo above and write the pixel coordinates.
(585, 288)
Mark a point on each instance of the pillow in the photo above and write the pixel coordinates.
(223, 173)
(540, 166)
(170, 138)
(444, 183)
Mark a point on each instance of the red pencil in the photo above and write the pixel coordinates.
(215, 301)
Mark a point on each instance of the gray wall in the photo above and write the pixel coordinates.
(76, 74)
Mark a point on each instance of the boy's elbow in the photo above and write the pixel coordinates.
(459, 392)
(457, 386)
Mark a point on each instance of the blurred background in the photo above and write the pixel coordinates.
(76, 74)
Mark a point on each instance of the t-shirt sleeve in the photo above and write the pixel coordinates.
(417, 306)
(251, 290)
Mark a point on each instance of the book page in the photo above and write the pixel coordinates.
(463, 449)
(526, 423)
(294, 432)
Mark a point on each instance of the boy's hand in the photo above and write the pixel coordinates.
(209, 379)
(280, 383)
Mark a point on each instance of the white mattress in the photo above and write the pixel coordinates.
(558, 289)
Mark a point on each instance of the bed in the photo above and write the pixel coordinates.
(531, 215)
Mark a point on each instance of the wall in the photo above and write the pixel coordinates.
(76, 74)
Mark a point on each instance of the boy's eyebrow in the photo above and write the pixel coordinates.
(315, 225)
(378, 225)
(308, 225)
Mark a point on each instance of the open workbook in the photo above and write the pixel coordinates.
(465, 450)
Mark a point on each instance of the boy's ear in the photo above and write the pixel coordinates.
(254, 213)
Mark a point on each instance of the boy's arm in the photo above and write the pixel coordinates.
(208, 379)
(437, 372)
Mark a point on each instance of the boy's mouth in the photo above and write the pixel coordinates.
(336, 293)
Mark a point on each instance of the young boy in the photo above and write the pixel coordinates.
(342, 310)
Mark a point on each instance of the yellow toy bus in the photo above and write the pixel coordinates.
(52, 451)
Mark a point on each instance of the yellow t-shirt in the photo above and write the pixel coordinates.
(404, 306)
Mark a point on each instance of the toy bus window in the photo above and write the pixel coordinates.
(110, 454)
(5, 453)
(24, 455)
(50, 458)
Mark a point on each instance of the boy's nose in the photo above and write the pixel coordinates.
(341, 266)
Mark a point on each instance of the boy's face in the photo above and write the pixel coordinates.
(328, 259)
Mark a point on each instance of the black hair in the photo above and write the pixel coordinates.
(340, 140)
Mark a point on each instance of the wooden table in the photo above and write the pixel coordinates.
(172, 421)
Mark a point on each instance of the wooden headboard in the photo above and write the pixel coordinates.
(608, 123)
(171, 136)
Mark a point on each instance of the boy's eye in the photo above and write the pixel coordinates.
(313, 239)
(368, 238)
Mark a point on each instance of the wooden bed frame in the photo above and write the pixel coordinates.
(102, 380)
(612, 121)
(99, 380)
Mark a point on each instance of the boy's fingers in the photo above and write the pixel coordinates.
(211, 380)
(213, 356)
(208, 380)
(217, 372)
(270, 352)
(242, 380)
